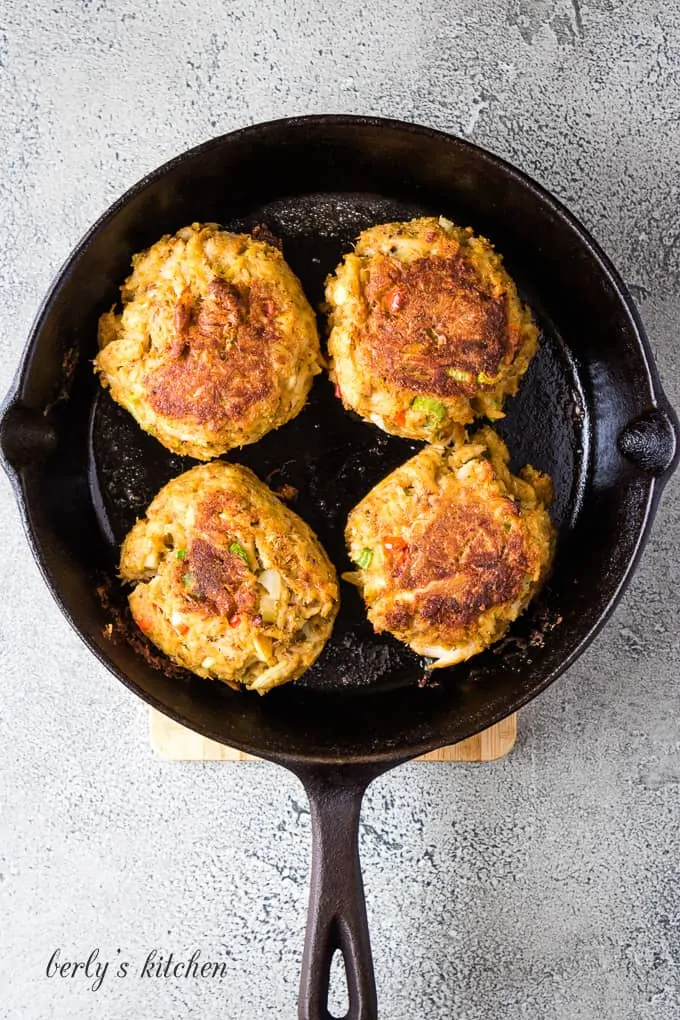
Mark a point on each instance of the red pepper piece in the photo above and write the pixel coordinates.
(395, 545)
(394, 299)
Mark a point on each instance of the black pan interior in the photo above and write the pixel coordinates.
(333, 458)
(317, 183)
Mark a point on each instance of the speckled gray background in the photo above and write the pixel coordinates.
(544, 886)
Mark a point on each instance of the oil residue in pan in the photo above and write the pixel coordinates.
(326, 460)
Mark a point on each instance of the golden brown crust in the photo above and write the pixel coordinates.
(200, 380)
(424, 316)
(229, 582)
(454, 548)
(459, 564)
(221, 582)
(216, 344)
(427, 330)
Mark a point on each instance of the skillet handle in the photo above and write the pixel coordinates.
(337, 908)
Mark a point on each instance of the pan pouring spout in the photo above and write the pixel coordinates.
(650, 441)
(26, 436)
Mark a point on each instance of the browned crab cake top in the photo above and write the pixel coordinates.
(229, 582)
(216, 343)
(451, 547)
(427, 330)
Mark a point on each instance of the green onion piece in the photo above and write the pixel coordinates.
(435, 409)
(364, 558)
(486, 380)
(459, 375)
(188, 579)
(239, 551)
(181, 554)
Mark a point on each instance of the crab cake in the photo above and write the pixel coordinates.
(216, 343)
(451, 547)
(426, 329)
(229, 582)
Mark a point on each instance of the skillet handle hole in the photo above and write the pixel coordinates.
(338, 993)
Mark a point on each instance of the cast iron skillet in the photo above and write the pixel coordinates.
(590, 411)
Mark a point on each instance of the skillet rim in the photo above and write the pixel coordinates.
(648, 497)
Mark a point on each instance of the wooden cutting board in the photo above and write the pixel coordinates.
(176, 743)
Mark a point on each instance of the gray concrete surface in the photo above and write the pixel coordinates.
(545, 886)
